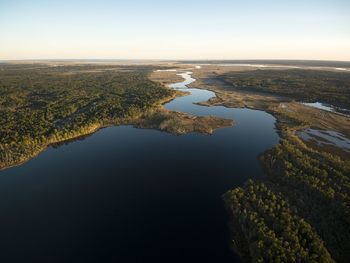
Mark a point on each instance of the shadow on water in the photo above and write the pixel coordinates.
(133, 195)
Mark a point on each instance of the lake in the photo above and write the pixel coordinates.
(133, 195)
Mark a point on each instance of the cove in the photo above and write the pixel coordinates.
(133, 195)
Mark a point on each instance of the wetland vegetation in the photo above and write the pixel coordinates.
(300, 212)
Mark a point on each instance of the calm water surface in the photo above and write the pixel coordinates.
(133, 195)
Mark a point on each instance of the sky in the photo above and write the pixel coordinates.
(161, 29)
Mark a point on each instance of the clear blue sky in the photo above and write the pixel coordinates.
(160, 29)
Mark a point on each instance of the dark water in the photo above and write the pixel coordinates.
(131, 195)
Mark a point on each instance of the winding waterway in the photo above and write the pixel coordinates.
(133, 195)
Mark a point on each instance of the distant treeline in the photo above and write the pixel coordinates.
(303, 85)
(311, 63)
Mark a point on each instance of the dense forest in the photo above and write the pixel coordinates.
(299, 213)
(302, 85)
(42, 104)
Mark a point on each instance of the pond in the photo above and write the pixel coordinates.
(328, 107)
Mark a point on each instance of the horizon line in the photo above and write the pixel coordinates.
(143, 59)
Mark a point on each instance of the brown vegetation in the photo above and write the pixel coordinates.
(181, 123)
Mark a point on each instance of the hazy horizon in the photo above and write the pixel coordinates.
(182, 30)
(168, 60)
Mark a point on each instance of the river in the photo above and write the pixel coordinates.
(133, 195)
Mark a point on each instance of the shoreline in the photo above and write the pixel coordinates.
(98, 127)
(140, 122)
(291, 117)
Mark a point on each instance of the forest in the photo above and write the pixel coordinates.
(41, 104)
(299, 213)
(302, 85)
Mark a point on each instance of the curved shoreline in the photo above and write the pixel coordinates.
(185, 122)
(93, 129)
